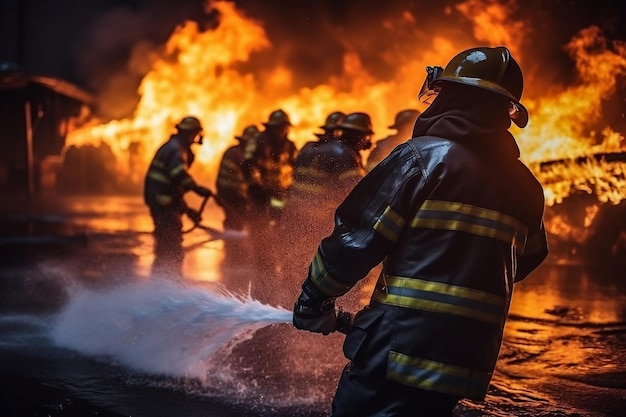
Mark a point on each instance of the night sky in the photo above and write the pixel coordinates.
(89, 42)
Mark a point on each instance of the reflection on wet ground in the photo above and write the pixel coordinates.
(86, 261)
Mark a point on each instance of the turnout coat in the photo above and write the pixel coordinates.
(455, 220)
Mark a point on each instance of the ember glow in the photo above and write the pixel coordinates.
(200, 72)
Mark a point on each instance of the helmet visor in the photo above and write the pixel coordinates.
(429, 90)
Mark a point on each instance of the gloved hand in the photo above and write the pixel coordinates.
(203, 191)
(314, 311)
(194, 215)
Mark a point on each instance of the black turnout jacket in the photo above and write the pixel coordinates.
(456, 218)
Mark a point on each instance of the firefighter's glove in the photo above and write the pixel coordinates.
(194, 215)
(314, 311)
(203, 191)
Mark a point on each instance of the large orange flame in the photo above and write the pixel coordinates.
(198, 73)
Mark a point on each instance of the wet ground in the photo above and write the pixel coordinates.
(86, 330)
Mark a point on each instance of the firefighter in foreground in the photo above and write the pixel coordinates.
(456, 219)
(403, 124)
(231, 183)
(166, 182)
(268, 168)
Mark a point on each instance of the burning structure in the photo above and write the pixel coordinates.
(231, 75)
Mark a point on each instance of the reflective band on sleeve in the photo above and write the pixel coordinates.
(324, 281)
(157, 176)
(462, 217)
(441, 298)
(437, 376)
(177, 170)
(188, 183)
(390, 224)
(163, 200)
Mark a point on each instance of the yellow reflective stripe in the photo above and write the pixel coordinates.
(441, 298)
(352, 173)
(276, 203)
(437, 376)
(250, 149)
(308, 188)
(447, 215)
(158, 164)
(177, 170)
(157, 176)
(390, 224)
(163, 200)
(187, 183)
(323, 280)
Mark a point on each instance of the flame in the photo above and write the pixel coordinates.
(200, 72)
(560, 127)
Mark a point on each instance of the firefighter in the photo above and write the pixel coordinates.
(268, 168)
(456, 219)
(325, 171)
(165, 184)
(317, 161)
(231, 184)
(330, 132)
(403, 124)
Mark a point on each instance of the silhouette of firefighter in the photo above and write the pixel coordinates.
(165, 185)
(232, 186)
(268, 169)
(404, 121)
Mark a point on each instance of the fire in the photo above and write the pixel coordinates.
(560, 125)
(201, 72)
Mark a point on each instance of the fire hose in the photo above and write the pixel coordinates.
(344, 318)
(198, 219)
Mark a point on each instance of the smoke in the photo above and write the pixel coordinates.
(313, 39)
(120, 46)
